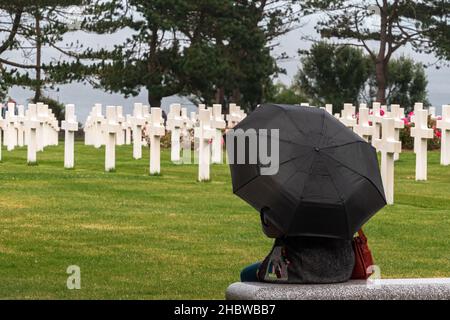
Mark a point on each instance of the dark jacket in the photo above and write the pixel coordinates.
(306, 259)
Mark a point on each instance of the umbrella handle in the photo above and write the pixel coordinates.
(270, 230)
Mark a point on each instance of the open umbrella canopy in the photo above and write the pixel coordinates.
(328, 182)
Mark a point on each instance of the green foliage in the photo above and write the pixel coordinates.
(333, 74)
(407, 83)
(39, 24)
(391, 24)
(339, 74)
(216, 50)
(286, 95)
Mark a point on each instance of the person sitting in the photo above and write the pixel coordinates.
(302, 260)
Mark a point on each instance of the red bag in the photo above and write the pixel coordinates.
(363, 257)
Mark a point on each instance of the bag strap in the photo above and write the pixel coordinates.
(362, 235)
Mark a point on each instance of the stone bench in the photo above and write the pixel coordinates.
(385, 289)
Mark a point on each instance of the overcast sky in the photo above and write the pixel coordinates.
(84, 97)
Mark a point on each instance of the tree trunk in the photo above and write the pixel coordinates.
(155, 102)
(381, 62)
(381, 77)
(38, 88)
(237, 96)
(220, 95)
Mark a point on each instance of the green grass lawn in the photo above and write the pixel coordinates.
(137, 236)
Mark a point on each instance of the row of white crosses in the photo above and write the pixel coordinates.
(18, 133)
(115, 129)
(93, 128)
(384, 133)
(235, 115)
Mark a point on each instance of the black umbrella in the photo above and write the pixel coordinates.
(328, 183)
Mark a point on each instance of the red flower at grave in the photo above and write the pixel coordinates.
(438, 133)
(381, 112)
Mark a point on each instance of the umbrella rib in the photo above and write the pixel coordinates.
(251, 180)
(351, 169)
(341, 145)
(292, 121)
(341, 197)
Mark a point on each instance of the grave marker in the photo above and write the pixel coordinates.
(204, 133)
(388, 146)
(174, 125)
(156, 131)
(98, 120)
(376, 118)
(421, 133)
(70, 126)
(111, 127)
(138, 122)
(444, 125)
(2, 128)
(398, 114)
(364, 129)
(32, 124)
(11, 131)
(21, 126)
(218, 124)
(186, 143)
(347, 117)
(120, 138)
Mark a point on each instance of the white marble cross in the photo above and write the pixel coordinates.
(32, 125)
(194, 118)
(128, 128)
(120, 139)
(186, 143)
(147, 116)
(21, 126)
(70, 126)
(2, 128)
(42, 116)
(156, 131)
(234, 116)
(174, 125)
(53, 130)
(98, 120)
(11, 131)
(388, 146)
(138, 122)
(110, 127)
(88, 128)
(421, 133)
(347, 117)
(204, 133)
(444, 125)
(376, 118)
(398, 114)
(364, 129)
(218, 123)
